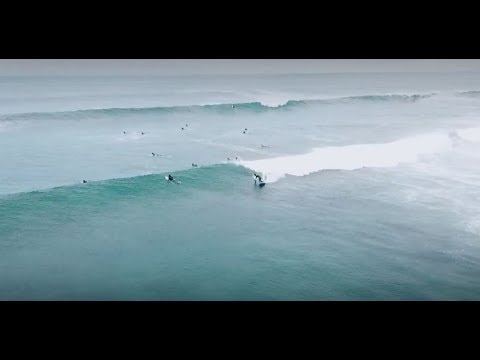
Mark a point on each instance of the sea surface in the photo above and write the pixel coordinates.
(372, 187)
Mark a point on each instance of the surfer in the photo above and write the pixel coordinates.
(124, 133)
(257, 176)
(153, 154)
(263, 146)
(143, 133)
(228, 159)
(84, 181)
(183, 129)
(233, 106)
(170, 177)
(194, 165)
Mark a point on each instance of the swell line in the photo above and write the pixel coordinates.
(214, 108)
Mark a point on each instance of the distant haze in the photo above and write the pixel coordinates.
(129, 67)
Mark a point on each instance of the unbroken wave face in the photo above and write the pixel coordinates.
(220, 108)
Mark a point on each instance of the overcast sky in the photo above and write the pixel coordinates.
(106, 67)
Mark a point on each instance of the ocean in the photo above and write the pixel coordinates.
(372, 187)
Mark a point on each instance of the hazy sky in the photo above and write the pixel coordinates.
(108, 67)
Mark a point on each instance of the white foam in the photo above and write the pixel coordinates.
(470, 134)
(272, 102)
(473, 226)
(273, 99)
(352, 157)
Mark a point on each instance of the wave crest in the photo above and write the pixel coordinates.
(259, 106)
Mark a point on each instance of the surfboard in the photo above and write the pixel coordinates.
(258, 182)
(175, 181)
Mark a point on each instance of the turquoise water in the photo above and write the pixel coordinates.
(375, 222)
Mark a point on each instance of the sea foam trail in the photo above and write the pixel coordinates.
(352, 157)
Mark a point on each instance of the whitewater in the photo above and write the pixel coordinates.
(353, 157)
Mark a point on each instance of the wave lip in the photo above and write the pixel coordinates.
(351, 157)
